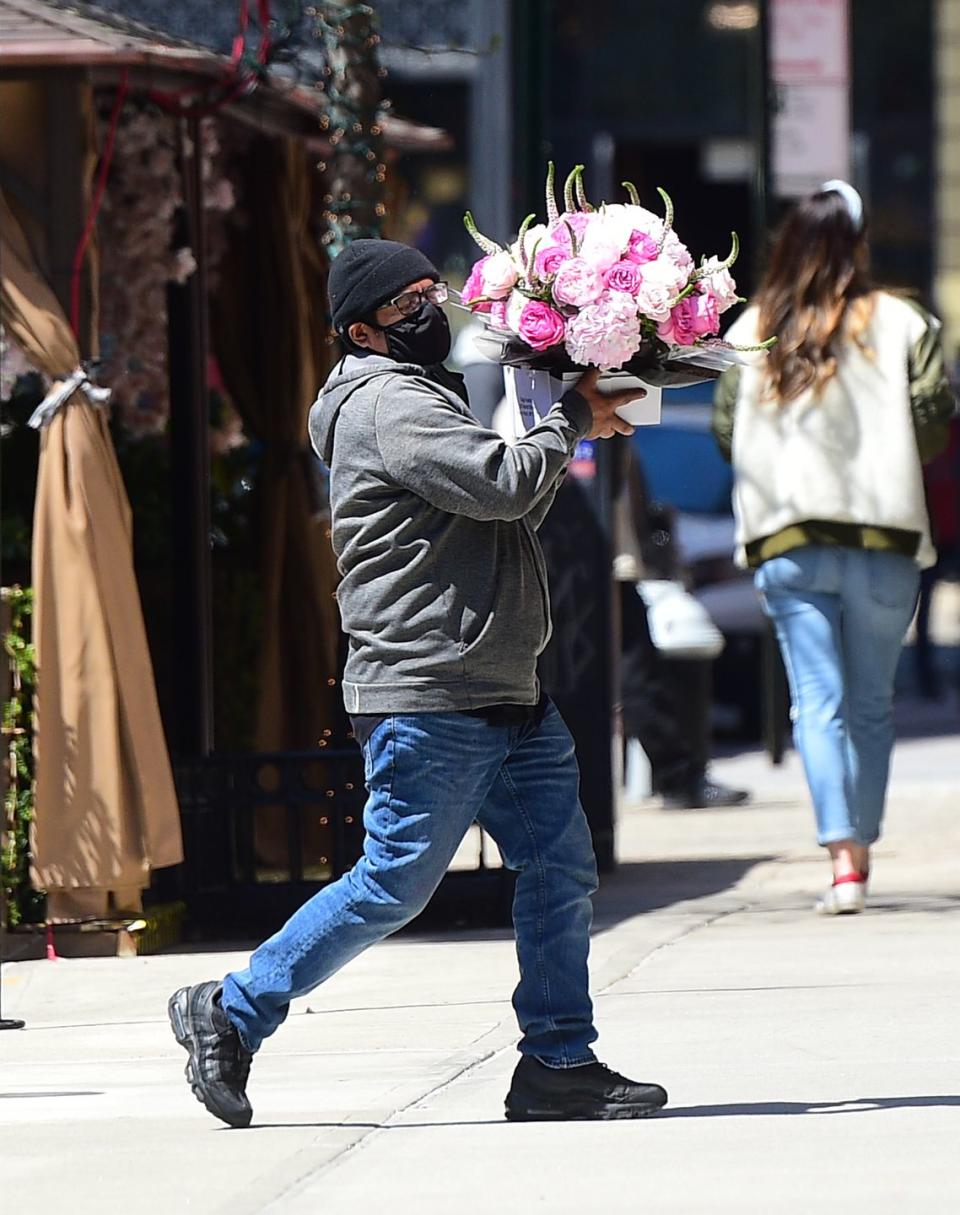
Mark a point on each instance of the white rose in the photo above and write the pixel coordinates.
(720, 283)
(515, 306)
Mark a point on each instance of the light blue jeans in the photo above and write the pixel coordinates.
(840, 616)
(429, 776)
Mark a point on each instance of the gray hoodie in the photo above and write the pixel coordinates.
(444, 589)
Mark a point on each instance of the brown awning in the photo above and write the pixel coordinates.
(36, 34)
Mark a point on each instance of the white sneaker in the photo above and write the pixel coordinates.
(846, 896)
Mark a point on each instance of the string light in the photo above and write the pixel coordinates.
(349, 39)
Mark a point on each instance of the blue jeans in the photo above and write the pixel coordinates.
(429, 776)
(840, 616)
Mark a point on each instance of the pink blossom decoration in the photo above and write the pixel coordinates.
(693, 318)
(540, 326)
(624, 276)
(605, 334)
(577, 283)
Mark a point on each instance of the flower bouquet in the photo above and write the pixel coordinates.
(612, 287)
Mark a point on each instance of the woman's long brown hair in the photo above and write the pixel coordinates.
(816, 295)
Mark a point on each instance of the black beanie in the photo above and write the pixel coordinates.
(368, 273)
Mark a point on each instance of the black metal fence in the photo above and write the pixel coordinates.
(264, 832)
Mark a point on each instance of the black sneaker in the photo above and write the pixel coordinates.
(545, 1094)
(219, 1064)
(704, 795)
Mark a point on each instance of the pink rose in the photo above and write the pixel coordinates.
(577, 283)
(624, 276)
(560, 232)
(540, 325)
(641, 248)
(498, 274)
(693, 318)
(549, 259)
(473, 288)
(498, 313)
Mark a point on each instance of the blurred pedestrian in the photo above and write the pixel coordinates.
(653, 696)
(827, 433)
(444, 600)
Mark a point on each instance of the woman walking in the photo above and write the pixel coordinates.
(827, 433)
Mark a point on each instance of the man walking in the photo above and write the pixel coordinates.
(444, 600)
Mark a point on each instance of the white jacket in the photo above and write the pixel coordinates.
(849, 455)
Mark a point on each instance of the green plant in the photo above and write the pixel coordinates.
(22, 901)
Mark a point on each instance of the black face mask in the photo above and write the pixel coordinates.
(423, 338)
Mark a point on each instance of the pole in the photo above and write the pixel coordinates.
(190, 459)
(765, 103)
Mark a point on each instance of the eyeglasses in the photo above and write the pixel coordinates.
(412, 301)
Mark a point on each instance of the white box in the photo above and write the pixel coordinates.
(534, 393)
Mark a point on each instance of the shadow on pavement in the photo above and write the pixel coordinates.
(766, 1109)
(631, 889)
(77, 1093)
(641, 886)
(856, 1105)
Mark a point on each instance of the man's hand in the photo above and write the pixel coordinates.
(603, 406)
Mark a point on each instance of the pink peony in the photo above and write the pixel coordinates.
(473, 288)
(549, 259)
(624, 276)
(540, 325)
(577, 283)
(498, 274)
(693, 318)
(641, 248)
(605, 334)
(603, 242)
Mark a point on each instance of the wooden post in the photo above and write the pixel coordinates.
(65, 145)
(190, 467)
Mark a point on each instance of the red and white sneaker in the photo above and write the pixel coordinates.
(846, 896)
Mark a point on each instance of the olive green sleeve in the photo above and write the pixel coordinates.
(724, 408)
(931, 397)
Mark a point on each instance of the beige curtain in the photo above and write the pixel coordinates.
(106, 810)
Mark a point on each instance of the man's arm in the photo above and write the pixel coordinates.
(429, 447)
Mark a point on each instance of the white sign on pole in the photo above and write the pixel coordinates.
(810, 69)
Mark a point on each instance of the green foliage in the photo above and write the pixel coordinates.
(22, 902)
(18, 454)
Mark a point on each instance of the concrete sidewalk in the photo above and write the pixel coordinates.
(812, 1064)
